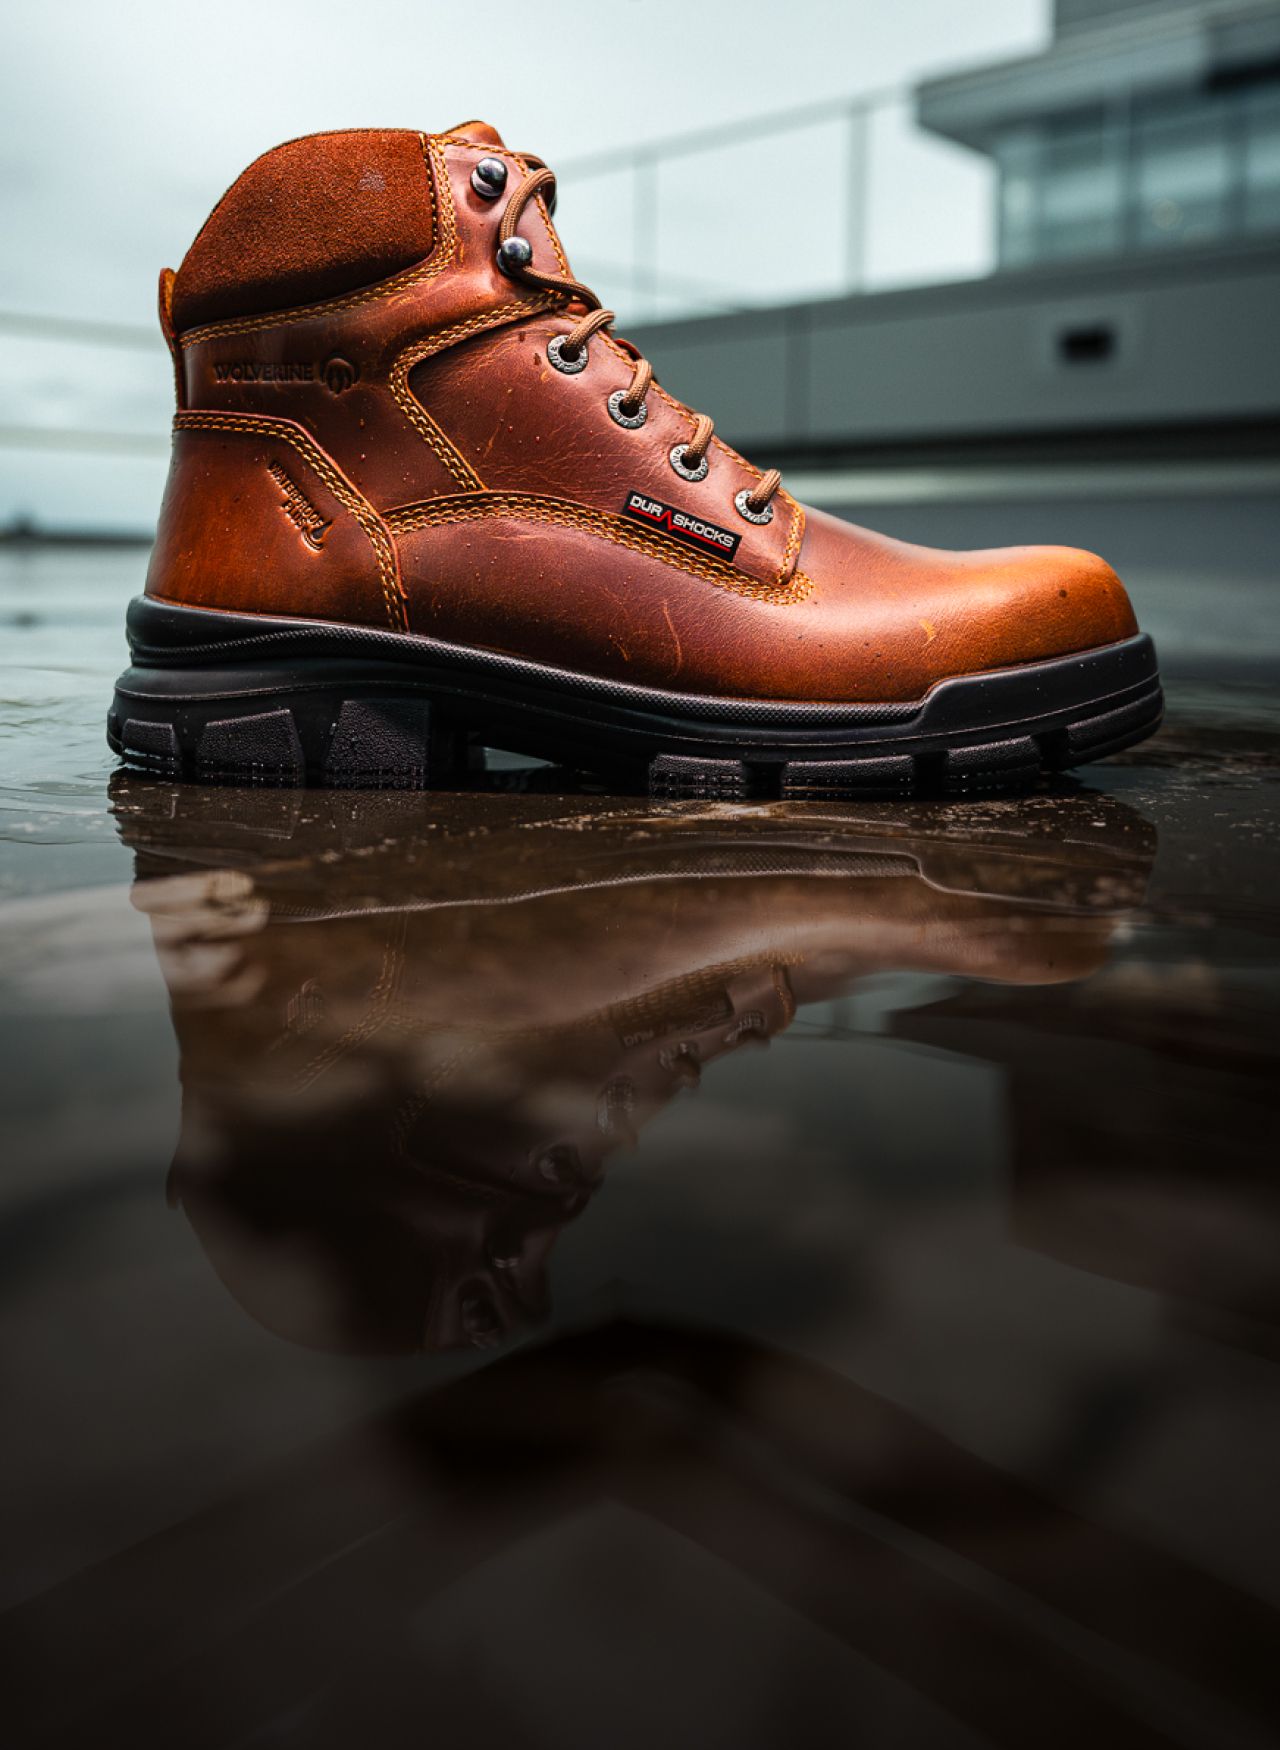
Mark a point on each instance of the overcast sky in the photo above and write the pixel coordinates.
(121, 124)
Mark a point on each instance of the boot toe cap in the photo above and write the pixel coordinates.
(1028, 604)
(918, 615)
(1066, 599)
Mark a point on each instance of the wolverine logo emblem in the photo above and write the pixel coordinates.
(339, 374)
(263, 371)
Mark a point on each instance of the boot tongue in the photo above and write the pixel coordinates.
(481, 132)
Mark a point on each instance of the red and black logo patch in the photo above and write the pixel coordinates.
(694, 531)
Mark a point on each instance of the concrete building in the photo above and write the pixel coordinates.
(1149, 125)
(1133, 308)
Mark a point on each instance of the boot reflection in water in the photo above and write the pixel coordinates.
(414, 1029)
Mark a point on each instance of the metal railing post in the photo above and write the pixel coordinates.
(644, 232)
(857, 155)
(1121, 128)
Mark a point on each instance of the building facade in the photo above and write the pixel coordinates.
(1147, 125)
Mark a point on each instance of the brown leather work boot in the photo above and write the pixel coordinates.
(422, 500)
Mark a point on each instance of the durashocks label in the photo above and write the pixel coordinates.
(694, 531)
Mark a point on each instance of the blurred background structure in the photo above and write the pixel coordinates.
(1144, 126)
(1103, 371)
(1134, 274)
(1033, 262)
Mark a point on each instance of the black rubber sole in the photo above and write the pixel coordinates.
(256, 699)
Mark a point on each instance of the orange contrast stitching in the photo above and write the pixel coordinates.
(379, 1004)
(417, 350)
(339, 486)
(443, 249)
(594, 522)
(552, 237)
(450, 458)
(504, 313)
(796, 535)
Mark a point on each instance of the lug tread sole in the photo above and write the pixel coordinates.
(261, 700)
(394, 743)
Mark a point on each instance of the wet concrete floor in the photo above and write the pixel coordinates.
(537, 1268)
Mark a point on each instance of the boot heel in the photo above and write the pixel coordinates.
(374, 742)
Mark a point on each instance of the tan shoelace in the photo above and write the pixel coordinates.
(543, 181)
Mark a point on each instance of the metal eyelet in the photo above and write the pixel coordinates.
(752, 516)
(570, 366)
(489, 178)
(514, 254)
(676, 458)
(620, 416)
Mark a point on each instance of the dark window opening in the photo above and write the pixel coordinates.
(1090, 345)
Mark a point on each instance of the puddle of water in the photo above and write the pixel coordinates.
(469, 1255)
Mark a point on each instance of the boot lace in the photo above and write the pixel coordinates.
(754, 504)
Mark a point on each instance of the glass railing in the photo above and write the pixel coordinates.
(835, 198)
